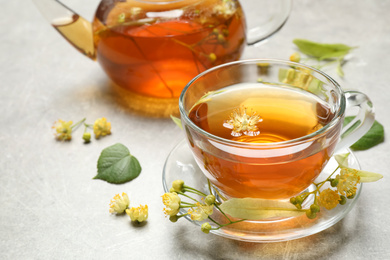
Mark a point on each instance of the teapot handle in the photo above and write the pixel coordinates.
(267, 19)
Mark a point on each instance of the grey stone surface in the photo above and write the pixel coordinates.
(50, 208)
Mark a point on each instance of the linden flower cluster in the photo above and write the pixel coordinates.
(120, 204)
(345, 185)
(63, 129)
(198, 209)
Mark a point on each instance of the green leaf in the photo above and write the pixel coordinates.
(322, 51)
(177, 121)
(117, 165)
(374, 136)
(258, 209)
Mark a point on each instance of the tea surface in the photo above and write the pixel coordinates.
(284, 114)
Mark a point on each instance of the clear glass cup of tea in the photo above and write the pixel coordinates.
(267, 128)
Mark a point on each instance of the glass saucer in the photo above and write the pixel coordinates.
(181, 165)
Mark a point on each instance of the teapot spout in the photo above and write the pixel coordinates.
(74, 28)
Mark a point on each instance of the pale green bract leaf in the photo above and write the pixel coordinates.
(365, 176)
(177, 121)
(206, 97)
(342, 160)
(258, 209)
(117, 165)
(322, 50)
(339, 55)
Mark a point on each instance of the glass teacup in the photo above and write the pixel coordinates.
(267, 128)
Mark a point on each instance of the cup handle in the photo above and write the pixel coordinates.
(360, 125)
(267, 19)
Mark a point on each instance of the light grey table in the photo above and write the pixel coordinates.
(50, 208)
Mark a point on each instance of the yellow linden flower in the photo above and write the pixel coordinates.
(172, 202)
(242, 123)
(63, 130)
(101, 127)
(347, 182)
(119, 203)
(138, 214)
(201, 212)
(329, 198)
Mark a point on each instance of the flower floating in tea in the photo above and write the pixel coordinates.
(243, 123)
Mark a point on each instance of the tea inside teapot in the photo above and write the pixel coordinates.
(153, 48)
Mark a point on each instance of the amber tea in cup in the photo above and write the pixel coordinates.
(266, 129)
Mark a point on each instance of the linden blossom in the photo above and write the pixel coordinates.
(243, 123)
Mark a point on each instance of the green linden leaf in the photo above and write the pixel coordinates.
(177, 121)
(117, 165)
(258, 209)
(374, 136)
(365, 176)
(322, 51)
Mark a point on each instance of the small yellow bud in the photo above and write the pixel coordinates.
(210, 199)
(295, 57)
(221, 38)
(212, 57)
(315, 208)
(173, 218)
(178, 185)
(310, 214)
(206, 227)
(87, 137)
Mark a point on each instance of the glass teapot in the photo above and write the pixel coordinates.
(151, 48)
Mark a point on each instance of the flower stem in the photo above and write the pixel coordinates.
(215, 221)
(193, 190)
(185, 195)
(222, 212)
(78, 123)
